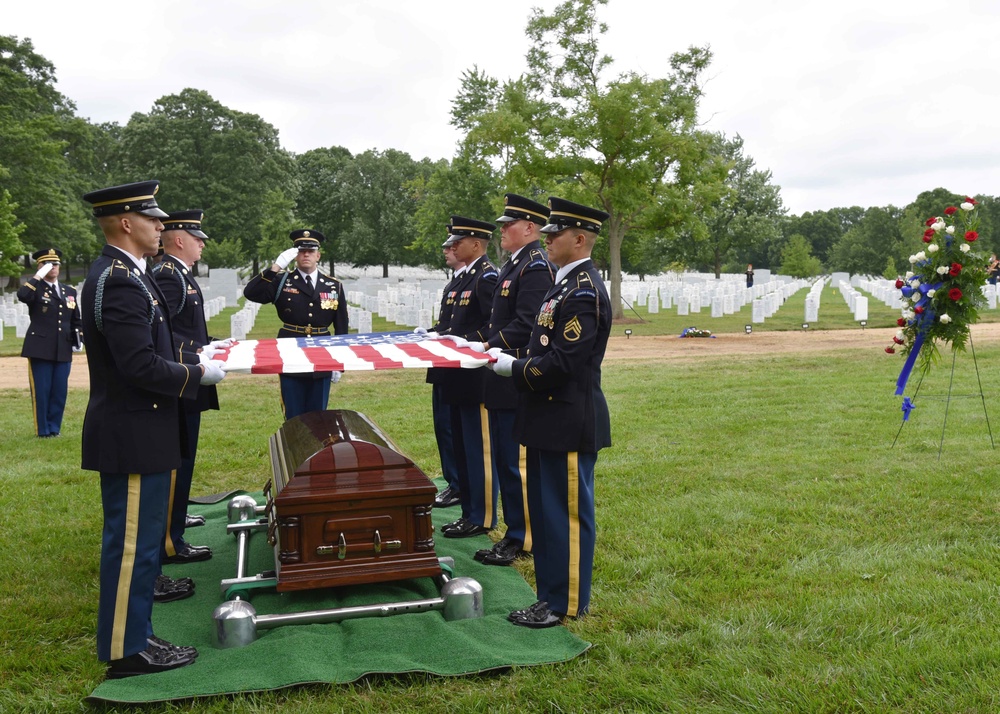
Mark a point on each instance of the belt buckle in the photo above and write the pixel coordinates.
(309, 330)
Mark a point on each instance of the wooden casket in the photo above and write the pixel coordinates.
(344, 506)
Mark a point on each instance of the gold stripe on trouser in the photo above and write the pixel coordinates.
(128, 564)
(573, 503)
(484, 427)
(522, 468)
(168, 543)
(34, 401)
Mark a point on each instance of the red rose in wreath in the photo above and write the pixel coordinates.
(955, 269)
(955, 294)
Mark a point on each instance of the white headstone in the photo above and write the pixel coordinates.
(758, 311)
(861, 308)
(682, 305)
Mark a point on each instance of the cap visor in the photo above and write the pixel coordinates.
(506, 219)
(198, 234)
(551, 228)
(154, 212)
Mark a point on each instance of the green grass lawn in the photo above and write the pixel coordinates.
(761, 546)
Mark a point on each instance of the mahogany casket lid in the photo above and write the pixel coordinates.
(340, 454)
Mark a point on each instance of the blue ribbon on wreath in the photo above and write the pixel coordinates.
(924, 321)
(908, 406)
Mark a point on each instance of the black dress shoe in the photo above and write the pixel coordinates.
(448, 497)
(521, 613)
(504, 553)
(167, 590)
(453, 525)
(150, 661)
(483, 552)
(162, 644)
(466, 529)
(189, 554)
(538, 617)
(193, 521)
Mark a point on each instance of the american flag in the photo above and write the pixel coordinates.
(340, 353)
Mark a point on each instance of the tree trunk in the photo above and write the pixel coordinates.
(718, 263)
(333, 268)
(615, 237)
(385, 270)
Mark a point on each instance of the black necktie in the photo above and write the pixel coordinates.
(309, 283)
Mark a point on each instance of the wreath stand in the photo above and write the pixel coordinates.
(949, 396)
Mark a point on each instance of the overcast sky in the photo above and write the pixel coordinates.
(857, 102)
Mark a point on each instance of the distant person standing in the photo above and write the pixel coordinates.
(993, 269)
(749, 275)
(55, 332)
(562, 415)
(308, 303)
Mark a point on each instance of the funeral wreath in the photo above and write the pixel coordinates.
(943, 290)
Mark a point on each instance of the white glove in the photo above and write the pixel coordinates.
(213, 373)
(77, 349)
(460, 341)
(219, 344)
(432, 336)
(44, 269)
(208, 352)
(476, 347)
(335, 377)
(286, 257)
(419, 330)
(504, 362)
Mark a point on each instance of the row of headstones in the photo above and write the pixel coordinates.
(813, 300)
(242, 321)
(856, 302)
(404, 304)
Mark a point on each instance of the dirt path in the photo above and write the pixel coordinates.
(14, 370)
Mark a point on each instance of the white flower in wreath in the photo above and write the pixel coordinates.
(909, 274)
(965, 248)
(966, 206)
(921, 256)
(950, 230)
(931, 292)
(899, 334)
(942, 270)
(945, 319)
(933, 248)
(915, 283)
(915, 297)
(913, 259)
(938, 225)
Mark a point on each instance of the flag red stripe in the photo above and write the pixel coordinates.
(418, 352)
(322, 360)
(370, 354)
(266, 358)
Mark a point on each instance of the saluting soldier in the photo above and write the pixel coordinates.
(182, 242)
(463, 389)
(523, 281)
(53, 335)
(131, 431)
(308, 302)
(562, 416)
(441, 411)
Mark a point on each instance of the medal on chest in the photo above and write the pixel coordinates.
(328, 301)
(505, 288)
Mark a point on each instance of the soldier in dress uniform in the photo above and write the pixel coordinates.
(562, 416)
(54, 334)
(523, 281)
(182, 242)
(441, 411)
(463, 389)
(131, 431)
(308, 303)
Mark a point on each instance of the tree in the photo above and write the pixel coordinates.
(629, 146)
(215, 158)
(11, 247)
(465, 187)
(821, 228)
(322, 203)
(746, 213)
(38, 129)
(797, 259)
(863, 248)
(379, 188)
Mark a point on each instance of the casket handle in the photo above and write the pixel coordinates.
(389, 544)
(342, 547)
